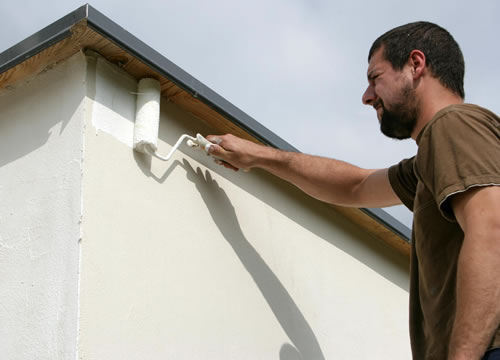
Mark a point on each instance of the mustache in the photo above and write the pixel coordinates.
(378, 103)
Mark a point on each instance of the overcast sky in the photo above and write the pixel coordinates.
(296, 66)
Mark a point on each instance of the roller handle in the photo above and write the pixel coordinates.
(199, 141)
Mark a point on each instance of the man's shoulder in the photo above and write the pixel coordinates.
(464, 111)
(460, 118)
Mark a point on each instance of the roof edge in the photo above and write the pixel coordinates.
(98, 22)
(42, 39)
(389, 222)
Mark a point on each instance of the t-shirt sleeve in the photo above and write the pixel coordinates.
(457, 151)
(403, 181)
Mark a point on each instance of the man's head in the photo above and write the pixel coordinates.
(397, 61)
(443, 55)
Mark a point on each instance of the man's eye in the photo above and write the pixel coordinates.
(372, 80)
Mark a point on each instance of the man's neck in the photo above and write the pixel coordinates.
(431, 102)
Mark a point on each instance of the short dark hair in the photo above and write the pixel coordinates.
(443, 55)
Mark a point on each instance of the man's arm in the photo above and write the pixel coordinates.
(478, 277)
(329, 180)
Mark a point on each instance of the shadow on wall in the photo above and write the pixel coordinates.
(292, 321)
(32, 112)
(358, 244)
(287, 313)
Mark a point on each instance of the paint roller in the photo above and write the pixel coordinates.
(147, 122)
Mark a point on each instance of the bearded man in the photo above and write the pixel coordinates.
(415, 84)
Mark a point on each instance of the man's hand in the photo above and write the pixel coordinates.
(478, 276)
(235, 153)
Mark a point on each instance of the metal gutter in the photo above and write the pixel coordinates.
(41, 40)
(389, 222)
(98, 22)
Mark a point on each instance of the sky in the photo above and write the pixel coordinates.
(296, 66)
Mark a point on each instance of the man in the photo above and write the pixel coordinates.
(415, 77)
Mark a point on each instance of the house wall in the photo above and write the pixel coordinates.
(187, 260)
(41, 125)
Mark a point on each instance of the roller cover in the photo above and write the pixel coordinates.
(147, 118)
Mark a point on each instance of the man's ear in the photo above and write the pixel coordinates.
(417, 63)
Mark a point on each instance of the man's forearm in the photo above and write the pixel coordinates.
(329, 180)
(478, 299)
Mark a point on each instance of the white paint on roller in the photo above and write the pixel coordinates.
(147, 122)
(130, 111)
(147, 119)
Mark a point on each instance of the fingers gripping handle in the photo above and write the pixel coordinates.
(204, 144)
(200, 142)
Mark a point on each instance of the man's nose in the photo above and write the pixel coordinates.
(369, 96)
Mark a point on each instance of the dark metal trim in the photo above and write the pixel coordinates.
(389, 222)
(41, 40)
(115, 33)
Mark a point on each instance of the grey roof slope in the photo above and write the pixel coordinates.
(61, 29)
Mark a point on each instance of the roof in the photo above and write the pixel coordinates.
(86, 28)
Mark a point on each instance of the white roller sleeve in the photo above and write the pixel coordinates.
(147, 119)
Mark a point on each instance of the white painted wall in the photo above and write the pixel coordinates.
(187, 260)
(41, 125)
(179, 260)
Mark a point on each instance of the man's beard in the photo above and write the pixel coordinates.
(400, 121)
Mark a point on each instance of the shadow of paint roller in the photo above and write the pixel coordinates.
(147, 122)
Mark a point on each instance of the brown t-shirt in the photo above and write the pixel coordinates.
(458, 149)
